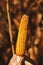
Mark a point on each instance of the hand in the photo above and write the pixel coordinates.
(16, 60)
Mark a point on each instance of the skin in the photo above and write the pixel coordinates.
(14, 60)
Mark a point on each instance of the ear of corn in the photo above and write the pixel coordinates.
(22, 35)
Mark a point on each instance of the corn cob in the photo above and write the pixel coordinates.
(22, 35)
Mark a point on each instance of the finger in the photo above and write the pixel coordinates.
(12, 60)
(19, 63)
(21, 59)
(13, 56)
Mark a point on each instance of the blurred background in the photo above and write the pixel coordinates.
(17, 8)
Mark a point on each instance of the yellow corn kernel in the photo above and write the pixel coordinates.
(22, 35)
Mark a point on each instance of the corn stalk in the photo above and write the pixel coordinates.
(10, 31)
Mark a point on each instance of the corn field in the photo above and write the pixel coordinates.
(21, 30)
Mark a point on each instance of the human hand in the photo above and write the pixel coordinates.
(16, 60)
